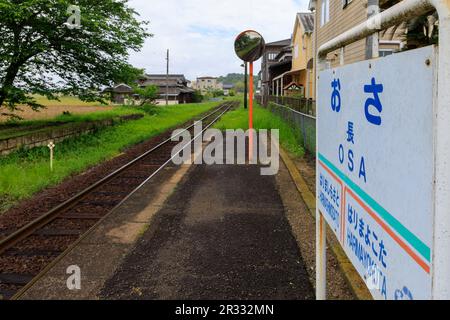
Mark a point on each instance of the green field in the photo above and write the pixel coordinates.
(24, 173)
(263, 119)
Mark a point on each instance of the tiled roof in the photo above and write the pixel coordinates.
(307, 20)
(281, 43)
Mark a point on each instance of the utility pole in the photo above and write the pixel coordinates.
(167, 79)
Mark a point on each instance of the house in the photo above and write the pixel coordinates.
(332, 18)
(227, 88)
(269, 59)
(121, 93)
(279, 70)
(174, 86)
(302, 73)
(208, 84)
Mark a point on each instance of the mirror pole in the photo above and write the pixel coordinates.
(250, 113)
(245, 85)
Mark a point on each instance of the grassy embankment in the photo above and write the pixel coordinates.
(21, 128)
(55, 108)
(24, 173)
(263, 119)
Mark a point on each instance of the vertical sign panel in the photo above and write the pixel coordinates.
(376, 168)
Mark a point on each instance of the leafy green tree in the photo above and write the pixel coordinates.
(239, 86)
(197, 97)
(217, 93)
(129, 75)
(43, 52)
(422, 31)
(148, 94)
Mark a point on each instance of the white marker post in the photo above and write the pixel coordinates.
(51, 146)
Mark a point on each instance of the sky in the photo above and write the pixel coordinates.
(200, 34)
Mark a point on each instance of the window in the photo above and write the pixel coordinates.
(296, 51)
(325, 12)
(385, 52)
(271, 56)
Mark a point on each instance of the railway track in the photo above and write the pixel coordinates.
(25, 252)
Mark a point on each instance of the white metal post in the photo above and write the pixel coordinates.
(441, 247)
(321, 257)
(321, 248)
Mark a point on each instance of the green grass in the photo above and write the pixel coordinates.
(64, 101)
(21, 128)
(263, 119)
(26, 172)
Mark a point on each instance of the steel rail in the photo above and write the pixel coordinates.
(44, 271)
(25, 231)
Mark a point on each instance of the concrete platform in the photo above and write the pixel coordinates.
(222, 235)
(200, 232)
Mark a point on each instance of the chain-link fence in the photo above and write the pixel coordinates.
(304, 124)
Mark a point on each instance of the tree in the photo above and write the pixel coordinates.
(422, 31)
(217, 93)
(129, 75)
(43, 52)
(237, 80)
(148, 94)
(197, 96)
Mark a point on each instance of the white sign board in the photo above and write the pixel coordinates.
(376, 168)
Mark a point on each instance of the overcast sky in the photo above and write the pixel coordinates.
(200, 33)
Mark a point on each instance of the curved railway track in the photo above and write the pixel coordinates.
(25, 252)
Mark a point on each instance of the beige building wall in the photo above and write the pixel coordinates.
(302, 52)
(208, 84)
(342, 19)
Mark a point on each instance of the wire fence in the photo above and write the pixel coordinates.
(304, 124)
(303, 105)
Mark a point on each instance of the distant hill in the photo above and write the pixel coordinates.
(237, 79)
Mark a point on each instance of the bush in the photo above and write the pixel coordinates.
(218, 93)
(197, 97)
(148, 95)
(150, 109)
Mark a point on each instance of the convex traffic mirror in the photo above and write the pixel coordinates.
(249, 46)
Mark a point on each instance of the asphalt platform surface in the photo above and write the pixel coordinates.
(222, 234)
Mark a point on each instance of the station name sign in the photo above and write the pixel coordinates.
(375, 179)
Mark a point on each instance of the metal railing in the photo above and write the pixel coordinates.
(299, 114)
(303, 105)
(304, 125)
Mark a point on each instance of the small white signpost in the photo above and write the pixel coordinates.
(51, 146)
